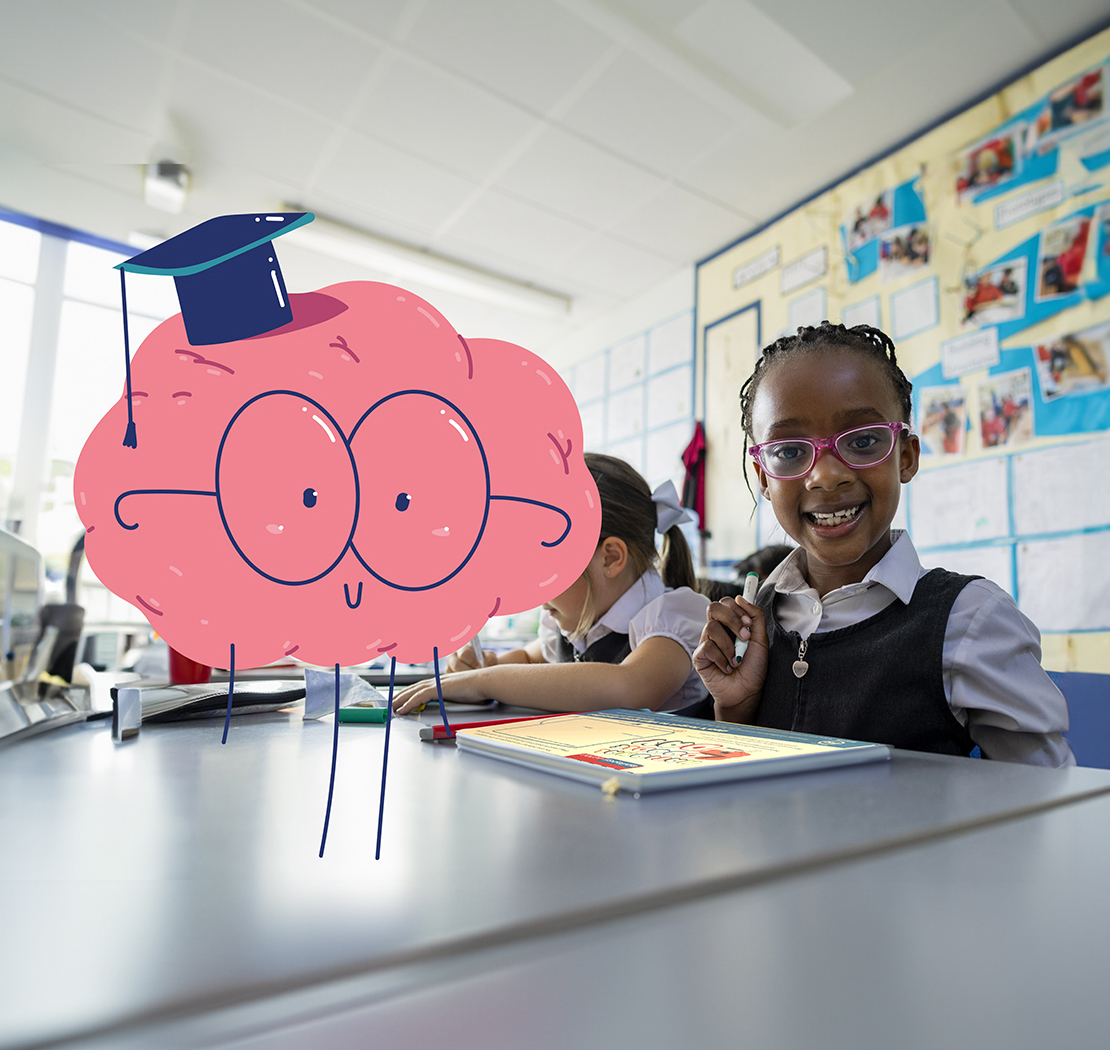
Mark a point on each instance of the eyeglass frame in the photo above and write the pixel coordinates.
(817, 444)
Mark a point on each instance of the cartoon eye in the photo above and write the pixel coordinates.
(418, 454)
(286, 487)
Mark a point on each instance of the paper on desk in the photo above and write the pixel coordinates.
(319, 692)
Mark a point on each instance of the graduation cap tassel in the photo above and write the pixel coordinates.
(129, 439)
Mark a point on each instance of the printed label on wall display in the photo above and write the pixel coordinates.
(758, 267)
(867, 312)
(807, 268)
(969, 353)
(1026, 204)
(914, 309)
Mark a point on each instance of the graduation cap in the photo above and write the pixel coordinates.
(229, 283)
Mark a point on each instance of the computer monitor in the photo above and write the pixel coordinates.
(21, 585)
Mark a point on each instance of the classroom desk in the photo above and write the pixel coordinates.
(168, 892)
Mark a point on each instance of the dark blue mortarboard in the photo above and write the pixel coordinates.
(229, 283)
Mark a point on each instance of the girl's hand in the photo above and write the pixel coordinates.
(465, 660)
(466, 687)
(736, 687)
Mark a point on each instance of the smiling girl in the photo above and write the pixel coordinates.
(850, 636)
(620, 636)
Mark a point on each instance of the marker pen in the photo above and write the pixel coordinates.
(476, 649)
(751, 585)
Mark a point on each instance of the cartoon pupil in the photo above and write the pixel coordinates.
(253, 491)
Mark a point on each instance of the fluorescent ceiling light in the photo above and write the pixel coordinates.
(402, 262)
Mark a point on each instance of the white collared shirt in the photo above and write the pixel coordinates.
(993, 679)
(647, 609)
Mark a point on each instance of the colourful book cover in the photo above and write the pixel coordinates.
(647, 751)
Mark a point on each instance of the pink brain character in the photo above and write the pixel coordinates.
(360, 481)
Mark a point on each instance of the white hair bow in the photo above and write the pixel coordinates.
(668, 507)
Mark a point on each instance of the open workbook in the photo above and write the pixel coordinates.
(645, 751)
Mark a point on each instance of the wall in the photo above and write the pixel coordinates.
(983, 248)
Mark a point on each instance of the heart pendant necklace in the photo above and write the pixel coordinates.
(800, 665)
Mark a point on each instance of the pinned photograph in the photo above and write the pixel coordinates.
(903, 251)
(1060, 255)
(1074, 363)
(995, 294)
(1072, 106)
(867, 220)
(942, 420)
(991, 162)
(1006, 408)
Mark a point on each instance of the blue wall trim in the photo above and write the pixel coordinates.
(66, 233)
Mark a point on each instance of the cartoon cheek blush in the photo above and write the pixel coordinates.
(335, 475)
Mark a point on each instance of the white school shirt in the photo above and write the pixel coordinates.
(991, 660)
(647, 609)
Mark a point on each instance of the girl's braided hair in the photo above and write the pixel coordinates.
(825, 336)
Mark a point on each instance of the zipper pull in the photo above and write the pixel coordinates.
(800, 665)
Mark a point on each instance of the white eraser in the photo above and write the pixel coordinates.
(127, 713)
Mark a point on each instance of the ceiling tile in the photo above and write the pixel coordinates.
(113, 79)
(516, 231)
(1053, 21)
(227, 124)
(443, 118)
(731, 171)
(681, 225)
(746, 44)
(151, 18)
(380, 180)
(857, 36)
(379, 17)
(39, 128)
(643, 115)
(286, 51)
(616, 269)
(572, 176)
(534, 52)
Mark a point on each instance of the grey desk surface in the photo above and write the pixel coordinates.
(172, 878)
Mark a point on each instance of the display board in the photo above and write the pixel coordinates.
(983, 248)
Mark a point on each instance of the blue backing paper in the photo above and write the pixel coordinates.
(1035, 312)
(907, 207)
(1078, 413)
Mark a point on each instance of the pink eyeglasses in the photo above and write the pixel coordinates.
(794, 458)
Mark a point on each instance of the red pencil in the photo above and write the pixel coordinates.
(440, 733)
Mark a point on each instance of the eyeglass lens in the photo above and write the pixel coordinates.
(862, 447)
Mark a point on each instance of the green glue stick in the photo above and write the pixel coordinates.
(751, 585)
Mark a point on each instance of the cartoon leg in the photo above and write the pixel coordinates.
(230, 691)
(334, 752)
(385, 755)
(439, 689)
